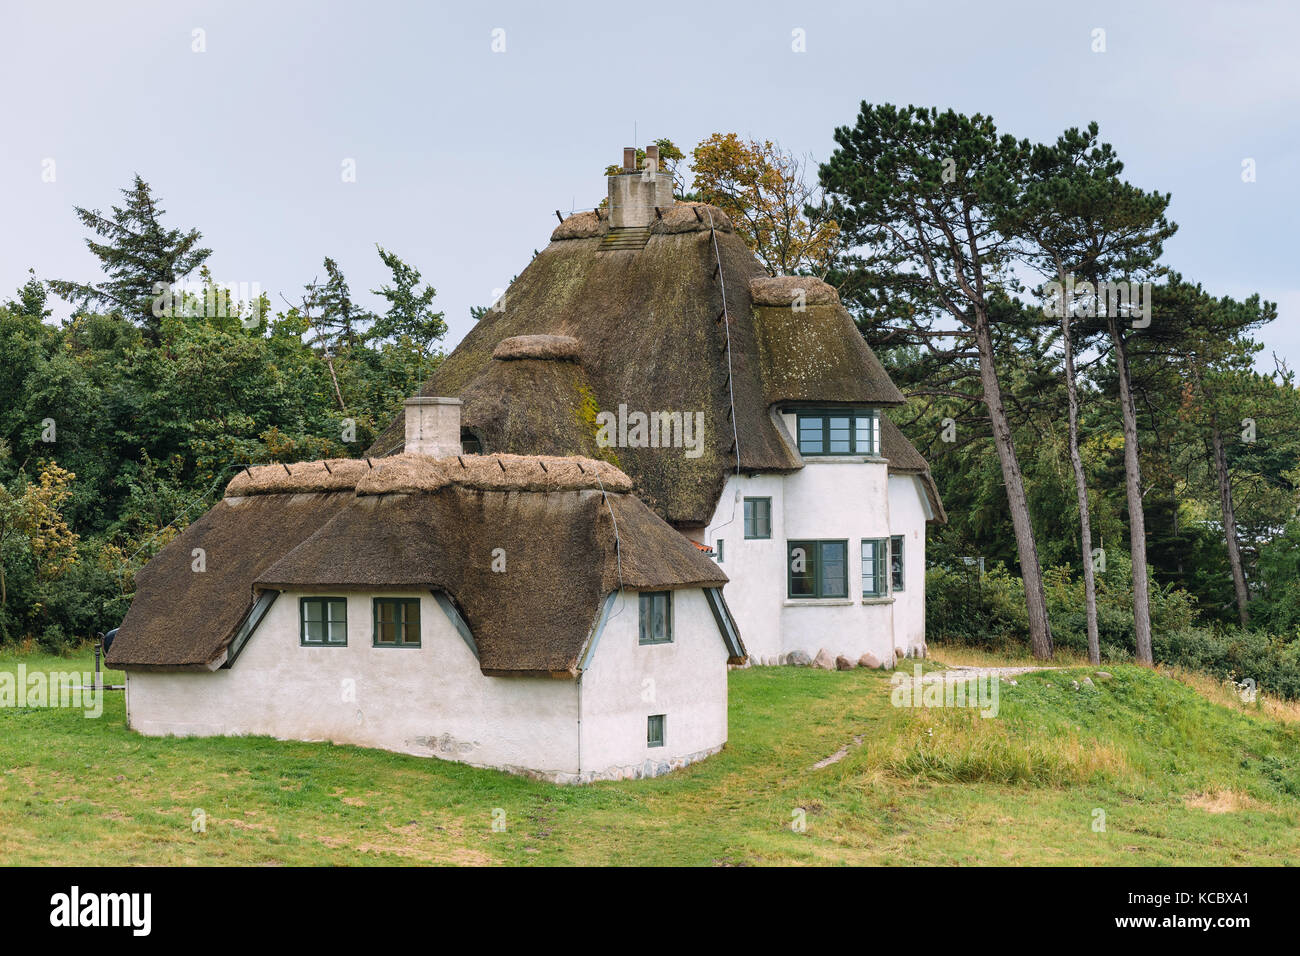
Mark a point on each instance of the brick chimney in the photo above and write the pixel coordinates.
(634, 194)
(433, 426)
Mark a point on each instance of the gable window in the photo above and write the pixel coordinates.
(817, 569)
(656, 617)
(397, 622)
(758, 517)
(654, 730)
(896, 562)
(324, 621)
(874, 555)
(850, 431)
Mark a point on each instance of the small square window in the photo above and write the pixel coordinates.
(758, 517)
(397, 622)
(656, 609)
(324, 622)
(654, 731)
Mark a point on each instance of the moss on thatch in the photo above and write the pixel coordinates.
(653, 340)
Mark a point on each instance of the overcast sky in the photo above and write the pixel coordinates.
(462, 154)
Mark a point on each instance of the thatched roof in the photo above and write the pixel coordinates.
(416, 523)
(650, 337)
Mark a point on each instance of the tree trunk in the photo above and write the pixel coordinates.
(1081, 490)
(1230, 528)
(1137, 530)
(1040, 632)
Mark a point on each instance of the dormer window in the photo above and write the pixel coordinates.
(840, 431)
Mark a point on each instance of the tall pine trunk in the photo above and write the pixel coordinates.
(1230, 527)
(1040, 633)
(1081, 490)
(1137, 528)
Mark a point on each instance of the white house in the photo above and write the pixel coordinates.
(523, 613)
(748, 410)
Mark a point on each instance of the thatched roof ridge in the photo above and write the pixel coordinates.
(786, 290)
(562, 348)
(407, 473)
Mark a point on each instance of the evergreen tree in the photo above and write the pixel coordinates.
(140, 257)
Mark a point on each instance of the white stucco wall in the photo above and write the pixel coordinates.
(849, 498)
(907, 515)
(685, 680)
(434, 701)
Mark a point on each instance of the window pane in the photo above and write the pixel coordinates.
(311, 610)
(839, 434)
(765, 518)
(810, 434)
(803, 569)
(896, 561)
(314, 631)
(865, 444)
(835, 579)
(750, 528)
(654, 735)
(410, 622)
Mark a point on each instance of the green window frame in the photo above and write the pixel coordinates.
(397, 622)
(875, 555)
(717, 549)
(323, 622)
(654, 730)
(838, 431)
(896, 562)
(758, 518)
(817, 569)
(656, 617)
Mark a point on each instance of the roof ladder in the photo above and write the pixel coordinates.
(726, 320)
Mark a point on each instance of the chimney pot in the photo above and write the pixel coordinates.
(629, 159)
(652, 158)
(433, 426)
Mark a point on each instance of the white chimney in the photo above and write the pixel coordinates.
(634, 195)
(433, 426)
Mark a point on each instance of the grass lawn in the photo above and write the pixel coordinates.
(1182, 773)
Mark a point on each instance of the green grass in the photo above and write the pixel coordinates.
(924, 786)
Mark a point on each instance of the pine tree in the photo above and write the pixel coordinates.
(139, 256)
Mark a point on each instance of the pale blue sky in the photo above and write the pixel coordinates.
(463, 154)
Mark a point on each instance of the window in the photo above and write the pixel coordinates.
(851, 431)
(896, 562)
(873, 567)
(656, 617)
(654, 730)
(397, 622)
(717, 549)
(758, 517)
(818, 569)
(470, 443)
(324, 621)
